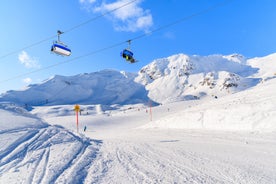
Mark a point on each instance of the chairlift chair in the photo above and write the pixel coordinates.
(60, 48)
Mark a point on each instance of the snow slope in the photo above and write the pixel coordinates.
(128, 149)
(223, 132)
(32, 151)
(104, 87)
(230, 139)
(250, 110)
(266, 65)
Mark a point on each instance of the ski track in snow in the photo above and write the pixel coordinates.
(52, 154)
(183, 160)
(116, 151)
(48, 155)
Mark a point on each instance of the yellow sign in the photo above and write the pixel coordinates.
(77, 108)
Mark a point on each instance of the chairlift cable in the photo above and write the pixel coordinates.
(122, 43)
(69, 30)
(100, 16)
(64, 62)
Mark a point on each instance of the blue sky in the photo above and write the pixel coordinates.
(246, 27)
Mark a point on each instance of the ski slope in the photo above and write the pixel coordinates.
(184, 142)
(51, 154)
(32, 151)
(222, 136)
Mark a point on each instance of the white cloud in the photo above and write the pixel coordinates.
(28, 61)
(129, 16)
(145, 21)
(27, 80)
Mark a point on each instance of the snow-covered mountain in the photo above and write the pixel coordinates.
(104, 87)
(175, 78)
(181, 77)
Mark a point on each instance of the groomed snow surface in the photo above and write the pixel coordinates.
(216, 124)
(227, 140)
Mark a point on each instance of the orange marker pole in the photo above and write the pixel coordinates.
(77, 109)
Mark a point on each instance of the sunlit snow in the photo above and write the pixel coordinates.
(181, 119)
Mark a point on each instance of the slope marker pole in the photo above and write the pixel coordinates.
(77, 110)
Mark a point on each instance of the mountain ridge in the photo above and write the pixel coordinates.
(175, 78)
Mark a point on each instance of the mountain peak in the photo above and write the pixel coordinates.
(236, 58)
(180, 77)
(103, 87)
(174, 78)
